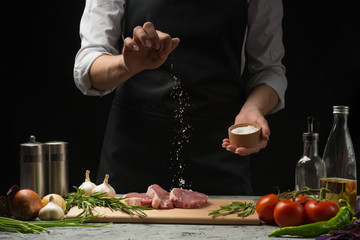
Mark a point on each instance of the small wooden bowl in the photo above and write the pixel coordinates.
(247, 140)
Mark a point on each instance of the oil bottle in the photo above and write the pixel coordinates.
(310, 168)
(339, 158)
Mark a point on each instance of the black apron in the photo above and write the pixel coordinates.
(166, 125)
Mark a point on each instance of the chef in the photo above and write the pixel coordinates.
(183, 72)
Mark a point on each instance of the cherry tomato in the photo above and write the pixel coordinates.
(289, 213)
(317, 211)
(265, 207)
(302, 199)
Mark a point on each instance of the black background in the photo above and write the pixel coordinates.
(38, 95)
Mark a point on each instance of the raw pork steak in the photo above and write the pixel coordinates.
(160, 197)
(137, 199)
(182, 198)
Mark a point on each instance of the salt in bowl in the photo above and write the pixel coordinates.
(245, 135)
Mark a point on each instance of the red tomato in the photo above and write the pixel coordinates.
(317, 211)
(265, 207)
(302, 199)
(289, 213)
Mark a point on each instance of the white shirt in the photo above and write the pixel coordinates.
(100, 31)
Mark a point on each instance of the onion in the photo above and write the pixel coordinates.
(25, 204)
(51, 211)
(4, 207)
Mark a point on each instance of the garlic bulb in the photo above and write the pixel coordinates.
(87, 186)
(51, 211)
(105, 188)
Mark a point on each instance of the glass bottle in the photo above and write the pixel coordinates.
(310, 168)
(339, 158)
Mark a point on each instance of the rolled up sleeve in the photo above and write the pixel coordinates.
(100, 31)
(264, 48)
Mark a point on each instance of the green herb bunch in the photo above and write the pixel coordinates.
(243, 209)
(88, 202)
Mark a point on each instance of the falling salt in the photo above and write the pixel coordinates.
(182, 130)
(181, 182)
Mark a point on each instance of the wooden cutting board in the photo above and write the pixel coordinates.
(175, 215)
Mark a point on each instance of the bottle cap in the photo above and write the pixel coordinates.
(340, 109)
(310, 135)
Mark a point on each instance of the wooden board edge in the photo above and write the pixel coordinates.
(251, 220)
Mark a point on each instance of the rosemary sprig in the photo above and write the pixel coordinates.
(88, 202)
(241, 208)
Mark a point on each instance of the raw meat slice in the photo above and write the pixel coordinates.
(160, 197)
(137, 199)
(182, 198)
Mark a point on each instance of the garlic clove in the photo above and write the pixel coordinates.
(105, 187)
(87, 185)
(51, 211)
(57, 199)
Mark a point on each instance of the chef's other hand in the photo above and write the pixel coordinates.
(148, 48)
(250, 115)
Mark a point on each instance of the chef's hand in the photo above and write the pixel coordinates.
(255, 116)
(148, 48)
(261, 101)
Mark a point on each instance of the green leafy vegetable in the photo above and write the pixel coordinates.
(74, 222)
(13, 225)
(88, 202)
(241, 208)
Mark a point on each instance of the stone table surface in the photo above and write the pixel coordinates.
(147, 231)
